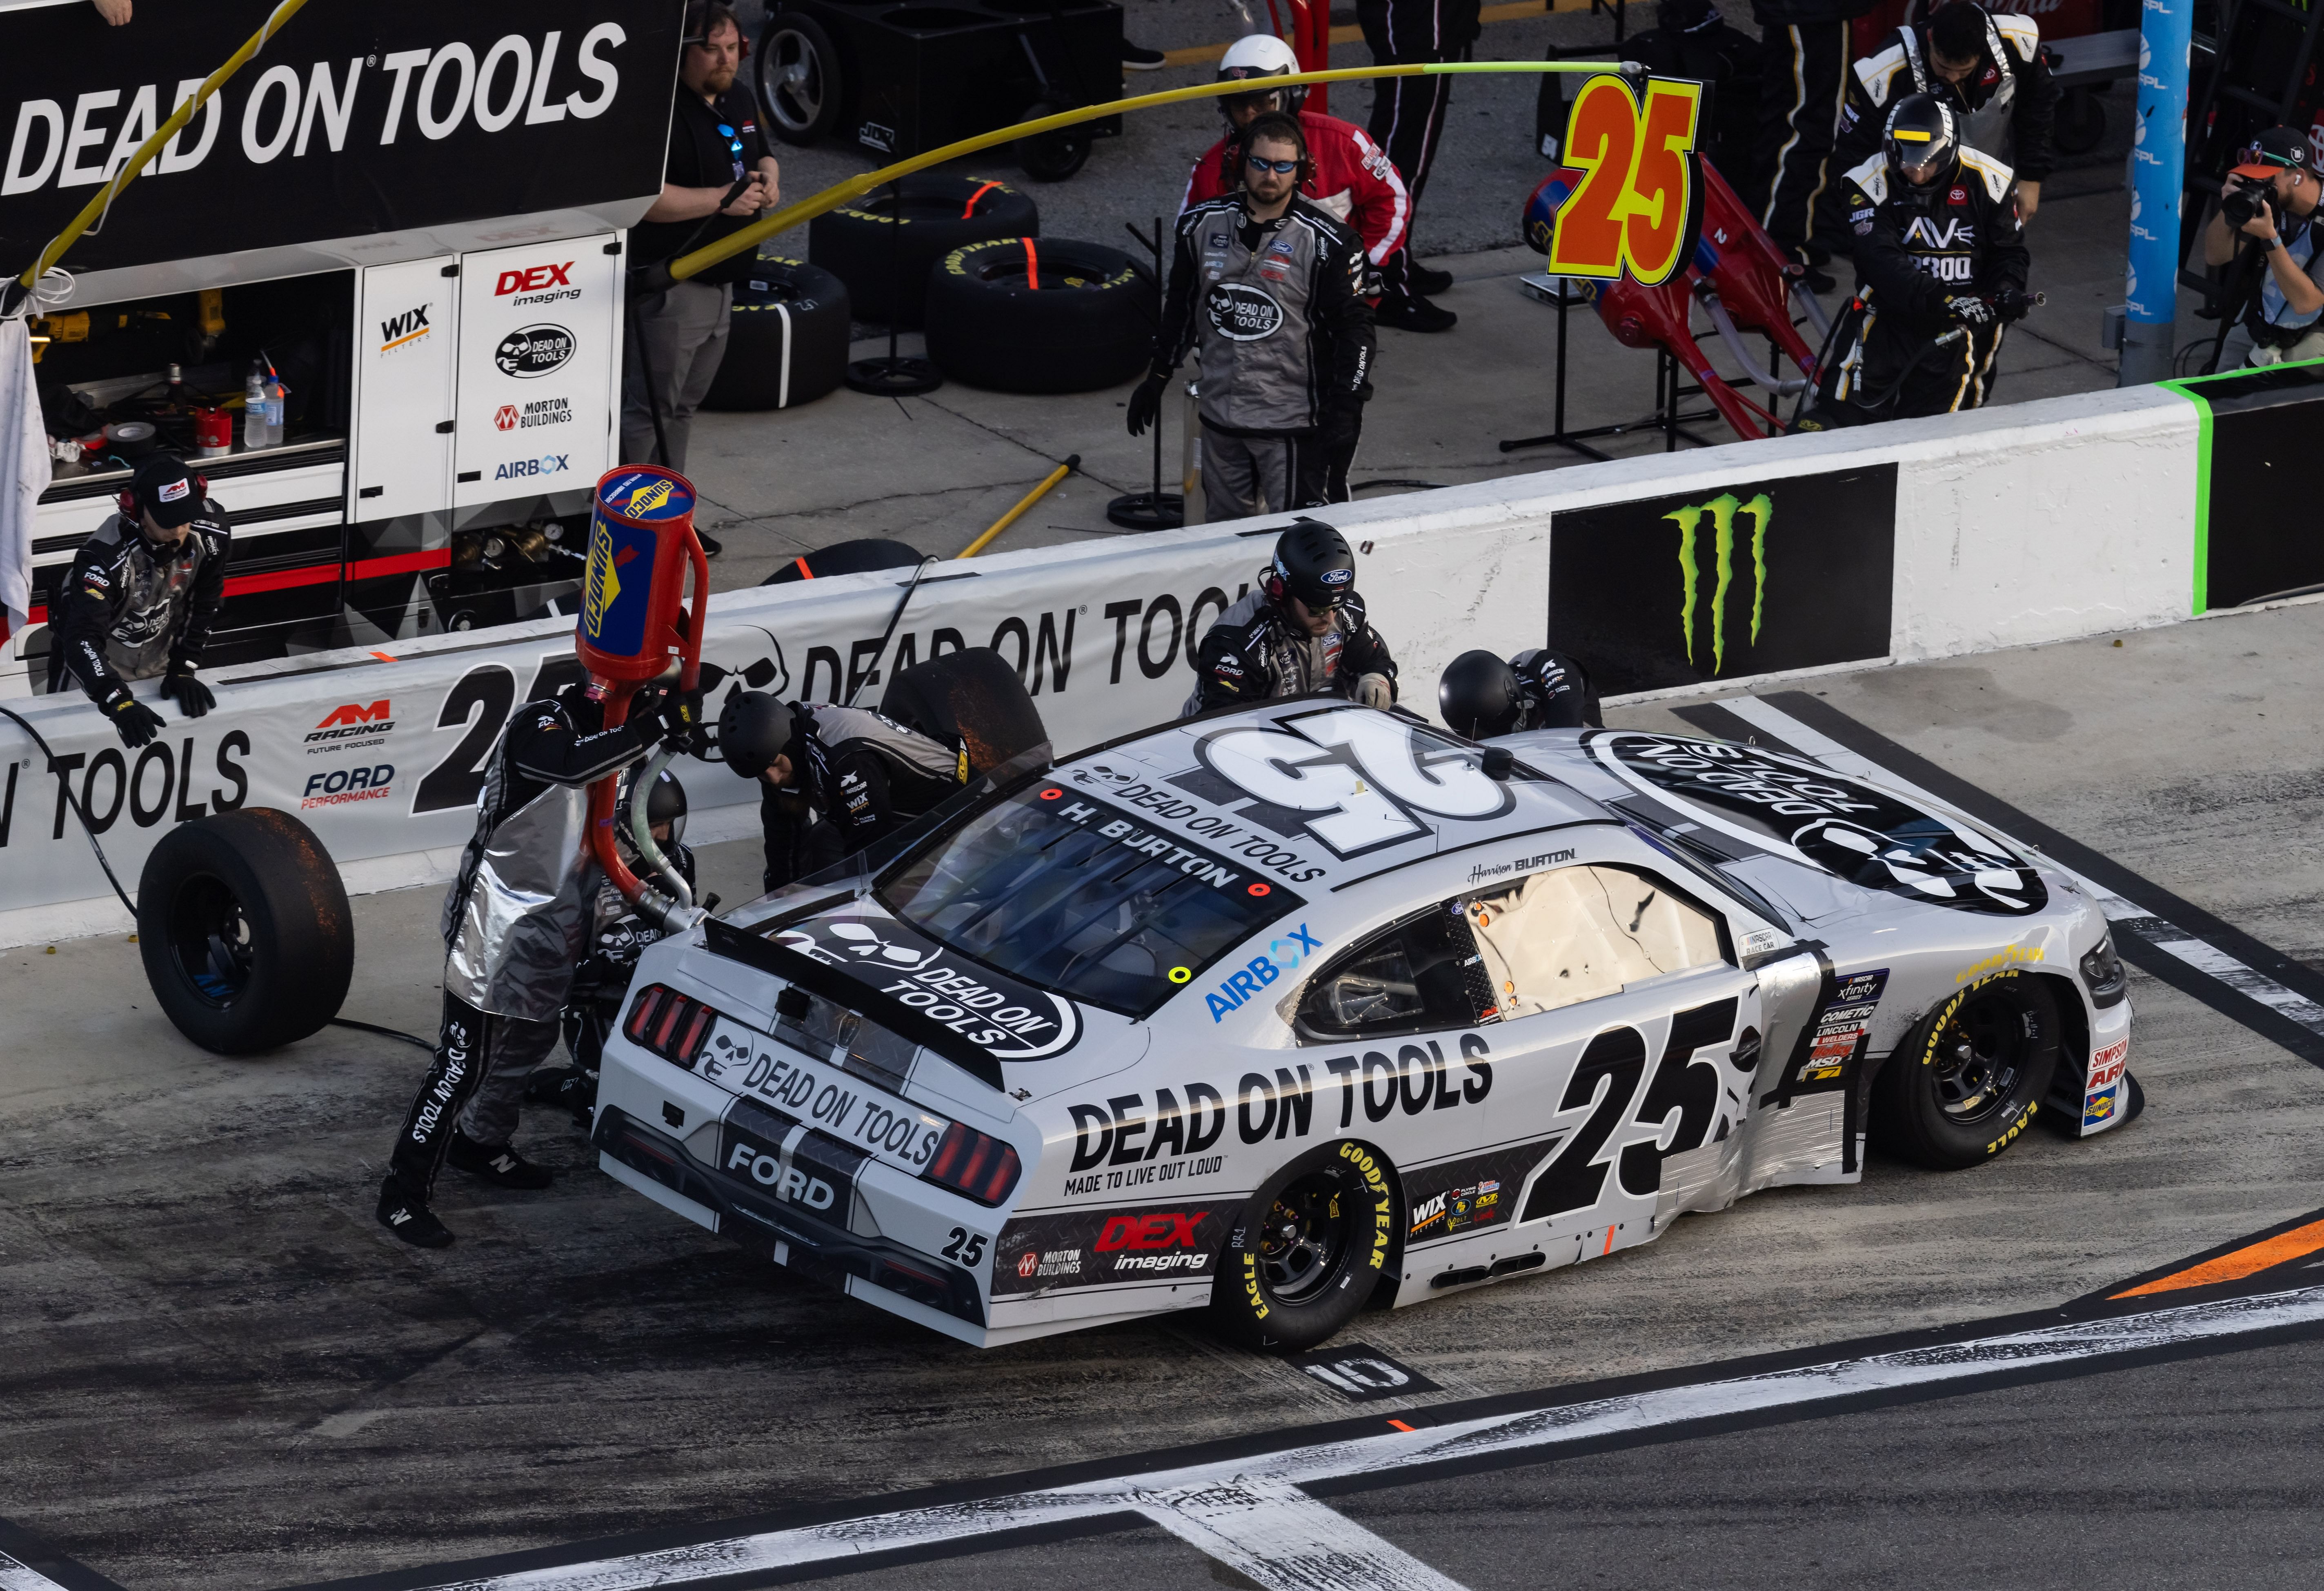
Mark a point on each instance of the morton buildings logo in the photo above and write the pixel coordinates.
(1712, 526)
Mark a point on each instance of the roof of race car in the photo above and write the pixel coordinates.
(1319, 791)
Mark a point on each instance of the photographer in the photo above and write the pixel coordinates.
(2268, 203)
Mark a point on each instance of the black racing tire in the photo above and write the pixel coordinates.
(1088, 325)
(799, 78)
(786, 337)
(1306, 1254)
(1969, 1079)
(245, 932)
(885, 263)
(861, 556)
(971, 699)
(1055, 155)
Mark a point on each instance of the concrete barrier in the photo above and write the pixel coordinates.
(2046, 521)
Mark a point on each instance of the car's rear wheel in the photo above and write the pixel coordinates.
(1307, 1250)
(1968, 1079)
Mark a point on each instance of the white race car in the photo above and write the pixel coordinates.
(1284, 1011)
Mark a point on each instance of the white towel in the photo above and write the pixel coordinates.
(24, 448)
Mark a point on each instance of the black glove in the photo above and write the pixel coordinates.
(193, 697)
(668, 714)
(1146, 403)
(1338, 426)
(1969, 310)
(136, 722)
(2012, 305)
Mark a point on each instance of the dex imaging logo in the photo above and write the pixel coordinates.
(1715, 521)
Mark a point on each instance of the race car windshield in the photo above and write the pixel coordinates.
(1084, 899)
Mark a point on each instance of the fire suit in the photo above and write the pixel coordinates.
(858, 776)
(617, 936)
(1803, 66)
(1407, 117)
(1915, 249)
(130, 609)
(1354, 180)
(515, 923)
(1284, 342)
(1558, 694)
(1255, 652)
(2008, 108)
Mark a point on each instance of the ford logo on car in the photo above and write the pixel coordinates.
(533, 351)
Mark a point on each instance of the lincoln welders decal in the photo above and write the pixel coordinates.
(1091, 1247)
(1014, 1021)
(1868, 836)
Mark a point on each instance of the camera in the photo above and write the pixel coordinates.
(2245, 203)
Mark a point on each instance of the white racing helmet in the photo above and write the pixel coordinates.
(1261, 55)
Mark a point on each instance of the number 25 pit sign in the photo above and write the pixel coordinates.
(1637, 209)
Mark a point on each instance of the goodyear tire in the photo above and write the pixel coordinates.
(1028, 315)
(799, 78)
(886, 273)
(786, 338)
(1967, 1081)
(1306, 1252)
(245, 930)
(1053, 156)
(972, 700)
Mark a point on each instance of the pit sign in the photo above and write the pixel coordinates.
(1637, 209)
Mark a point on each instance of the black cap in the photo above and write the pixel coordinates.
(165, 489)
(2279, 149)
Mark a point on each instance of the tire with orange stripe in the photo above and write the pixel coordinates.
(1967, 1081)
(1041, 315)
(883, 247)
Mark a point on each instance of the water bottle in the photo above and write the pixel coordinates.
(274, 414)
(256, 432)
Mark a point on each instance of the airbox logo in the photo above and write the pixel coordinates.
(1757, 577)
(547, 464)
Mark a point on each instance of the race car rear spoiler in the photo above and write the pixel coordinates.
(725, 940)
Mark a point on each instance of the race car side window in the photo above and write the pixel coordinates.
(1576, 934)
(1419, 975)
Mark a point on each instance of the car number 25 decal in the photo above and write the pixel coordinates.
(1359, 778)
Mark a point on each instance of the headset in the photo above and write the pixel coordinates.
(698, 23)
(1274, 124)
(127, 501)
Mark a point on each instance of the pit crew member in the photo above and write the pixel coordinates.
(1284, 333)
(837, 778)
(1301, 632)
(1407, 117)
(1988, 66)
(1481, 696)
(1802, 64)
(2273, 192)
(1350, 176)
(1939, 252)
(516, 923)
(141, 597)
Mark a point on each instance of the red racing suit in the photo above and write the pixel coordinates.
(1354, 182)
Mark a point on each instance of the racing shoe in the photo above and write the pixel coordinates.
(498, 1163)
(1415, 315)
(410, 1218)
(1426, 279)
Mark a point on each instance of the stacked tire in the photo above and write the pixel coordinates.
(884, 246)
(786, 338)
(1035, 315)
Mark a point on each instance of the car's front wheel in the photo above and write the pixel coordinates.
(1307, 1250)
(1967, 1081)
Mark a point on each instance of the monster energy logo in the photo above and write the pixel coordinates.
(1720, 510)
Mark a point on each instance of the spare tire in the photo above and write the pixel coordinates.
(1046, 314)
(971, 699)
(785, 339)
(846, 557)
(244, 929)
(887, 269)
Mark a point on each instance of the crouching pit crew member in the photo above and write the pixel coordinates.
(516, 923)
(1283, 333)
(1481, 696)
(1301, 633)
(837, 778)
(141, 598)
(1940, 266)
(2268, 203)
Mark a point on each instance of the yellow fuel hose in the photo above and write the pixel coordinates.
(832, 198)
(1024, 503)
(162, 135)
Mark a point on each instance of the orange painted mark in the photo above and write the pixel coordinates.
(968, 210)
(384, 657)
(2243, 1262)
(1609, 1244)
(1399, 1424)
(1032, 266)
(804, 573)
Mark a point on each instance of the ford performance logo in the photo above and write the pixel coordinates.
(532, 351)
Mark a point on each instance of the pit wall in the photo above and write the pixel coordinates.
(2039, 522)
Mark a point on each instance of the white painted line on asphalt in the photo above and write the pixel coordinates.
(18, 1576)
(1249, 1513)
(2200, 954)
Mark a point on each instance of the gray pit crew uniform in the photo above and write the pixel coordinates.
(1253, 653)
(860, 775)
(130, 609)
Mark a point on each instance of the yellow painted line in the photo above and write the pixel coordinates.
(2242, 1262)
(1516, 11)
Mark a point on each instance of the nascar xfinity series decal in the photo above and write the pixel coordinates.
(1872, 839)
(1013, 1020)
(1841, 1026)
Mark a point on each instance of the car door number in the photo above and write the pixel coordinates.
(1576, 1178)
(964, 1246)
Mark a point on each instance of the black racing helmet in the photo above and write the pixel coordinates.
(665, 803)
(1478, 696)
(1921, 137)
(1313, 563)
(753, 729)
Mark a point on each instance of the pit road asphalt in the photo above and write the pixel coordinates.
(215, 1372)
